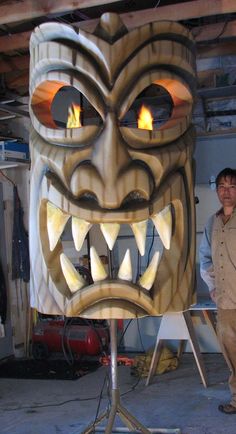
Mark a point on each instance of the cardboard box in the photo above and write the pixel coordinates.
(14, 151)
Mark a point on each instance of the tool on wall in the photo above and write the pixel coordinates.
(20, 246)
(20, 268)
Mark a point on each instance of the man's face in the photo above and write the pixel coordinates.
(226, 191)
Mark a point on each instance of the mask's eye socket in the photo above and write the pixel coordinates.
(71, 109)
(58, 106)
(160, 114)
(151, 109)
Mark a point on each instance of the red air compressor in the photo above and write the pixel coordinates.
(75, 336)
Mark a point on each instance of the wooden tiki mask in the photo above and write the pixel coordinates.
(114, 171)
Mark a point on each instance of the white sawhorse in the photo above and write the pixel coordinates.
(177, 325)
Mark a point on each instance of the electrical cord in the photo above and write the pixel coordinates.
(106, 378)
(59, 404)
(100, 397)
(151, 246)
(123, 333)
(93, 398)
(63, 336)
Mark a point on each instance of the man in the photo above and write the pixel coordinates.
(218, 270)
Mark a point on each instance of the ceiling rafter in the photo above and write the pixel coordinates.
(27, 10)
(205, 33)
(214, 32)
(14, 63)
(182, 11)
(15, 41)
(15, 11)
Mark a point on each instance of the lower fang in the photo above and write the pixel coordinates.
(148, 277)
(125, 271)
(97, 270)
(73, 279)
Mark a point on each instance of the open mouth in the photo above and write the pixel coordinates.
(58, 219)
(126, 288)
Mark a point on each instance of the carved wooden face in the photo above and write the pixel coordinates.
(111, 166)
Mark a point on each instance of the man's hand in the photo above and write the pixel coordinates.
(213, 295)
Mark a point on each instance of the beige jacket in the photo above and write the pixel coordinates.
(224, 261)
(218, 259)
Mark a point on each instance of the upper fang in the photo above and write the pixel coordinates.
(163, 224)
(80, 229)
(56, 221)
(110, 232)
(140, 231)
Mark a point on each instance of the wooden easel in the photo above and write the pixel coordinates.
(177, 325)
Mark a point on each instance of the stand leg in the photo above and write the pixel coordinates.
(195, 348)
(155, 359)
(116, 408)
(210, 320)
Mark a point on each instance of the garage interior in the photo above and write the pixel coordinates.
(70, 385)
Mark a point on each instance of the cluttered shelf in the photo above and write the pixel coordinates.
(13, 153)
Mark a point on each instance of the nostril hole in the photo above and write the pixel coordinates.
(88, 197)
(133, 198)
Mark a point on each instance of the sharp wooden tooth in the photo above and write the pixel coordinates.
(73, 279)
(125, 270)
(140, 230)
(97, 270)
(163, 224)
(148, 277)
(80, 229)
(110, 232)
(56, 221)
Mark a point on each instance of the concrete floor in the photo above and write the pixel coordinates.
(174, 400)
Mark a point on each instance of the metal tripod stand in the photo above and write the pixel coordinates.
(116, 408)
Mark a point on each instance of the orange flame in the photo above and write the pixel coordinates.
(73, 120)
(145, 119)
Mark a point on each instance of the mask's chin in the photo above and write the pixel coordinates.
(124, 295)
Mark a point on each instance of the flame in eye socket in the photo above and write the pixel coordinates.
(145, 119)
(74, 120)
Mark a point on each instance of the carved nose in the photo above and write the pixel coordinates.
(111, 175)
(110, 155)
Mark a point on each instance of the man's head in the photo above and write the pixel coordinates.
(226, 187)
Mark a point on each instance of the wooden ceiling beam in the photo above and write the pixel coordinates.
(17, 81)
(214, 32)
(14, 42)
(24, 10)
(215, 50)
(27, 10)
(179, 12)
(207, 33)
(192, 9)
(15, 63)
